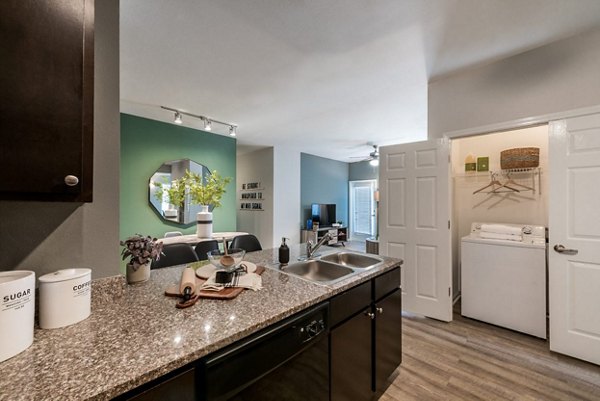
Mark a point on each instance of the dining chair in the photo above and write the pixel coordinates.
(247, 242)
(175, 254)
(203, 247)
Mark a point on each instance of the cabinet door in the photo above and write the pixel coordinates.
(178, 388)
(46, 107)
(388, 337)
(351, 368)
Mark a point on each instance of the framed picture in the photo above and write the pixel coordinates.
(483, 164)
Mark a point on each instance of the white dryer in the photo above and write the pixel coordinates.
(503, 282)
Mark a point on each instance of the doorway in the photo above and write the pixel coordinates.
(362, 224)
(527, 205)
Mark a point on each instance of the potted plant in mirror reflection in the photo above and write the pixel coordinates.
(174, 194)
(141, 251)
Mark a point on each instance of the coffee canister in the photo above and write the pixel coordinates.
(17, 294)
(65, 297)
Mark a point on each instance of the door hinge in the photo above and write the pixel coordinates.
(448, 224)
(449, 291)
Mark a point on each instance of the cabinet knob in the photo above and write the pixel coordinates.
(370, 315)
(71, 180)
(379, 310)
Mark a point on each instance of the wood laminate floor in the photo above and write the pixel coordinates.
(471, 360)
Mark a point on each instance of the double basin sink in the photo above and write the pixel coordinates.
(330, 268)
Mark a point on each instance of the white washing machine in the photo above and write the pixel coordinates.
(503, 282)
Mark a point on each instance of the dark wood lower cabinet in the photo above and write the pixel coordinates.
(367, 347)
(388, 337)
(177, 388)
(350, 350)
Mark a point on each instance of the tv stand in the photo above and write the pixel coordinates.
(339, 234)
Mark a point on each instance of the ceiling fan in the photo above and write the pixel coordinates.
(373, 157)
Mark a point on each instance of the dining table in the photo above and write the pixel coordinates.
(193, 239)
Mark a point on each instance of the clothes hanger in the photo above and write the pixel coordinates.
(512, 182)
(493, 182)
(505, 185)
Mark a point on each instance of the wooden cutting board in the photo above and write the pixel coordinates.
(227, 293)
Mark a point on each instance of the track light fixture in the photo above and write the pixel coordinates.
(178, 119)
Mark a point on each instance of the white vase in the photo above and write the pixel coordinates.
(171, 213)
(139, 275)
(204, 223)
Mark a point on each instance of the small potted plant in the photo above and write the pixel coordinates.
(206, 193)
(141, 251)
(174, 192)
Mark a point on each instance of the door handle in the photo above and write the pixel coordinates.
(561, 249)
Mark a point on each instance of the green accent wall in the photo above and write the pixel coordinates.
(145, 145)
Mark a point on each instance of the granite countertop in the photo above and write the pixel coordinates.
(135, 334)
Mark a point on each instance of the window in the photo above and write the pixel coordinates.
(362, 209)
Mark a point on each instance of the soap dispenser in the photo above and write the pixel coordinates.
(284, 252)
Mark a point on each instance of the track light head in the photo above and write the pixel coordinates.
(232, 130)
(178, 118)
(207, 124)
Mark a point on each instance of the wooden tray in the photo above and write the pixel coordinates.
(227, 293)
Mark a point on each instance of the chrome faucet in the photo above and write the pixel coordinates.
(310, 250)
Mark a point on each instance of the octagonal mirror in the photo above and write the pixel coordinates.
(174, 208)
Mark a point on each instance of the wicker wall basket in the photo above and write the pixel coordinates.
(519, 158)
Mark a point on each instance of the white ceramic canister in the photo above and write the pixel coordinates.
(17, 309)
(65, 297)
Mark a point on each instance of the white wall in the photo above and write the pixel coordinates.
(524, 207)
(278, 169)
(46, 236)
(256, 166)
(557, 77)
(286, 194)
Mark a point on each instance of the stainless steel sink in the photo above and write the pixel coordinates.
(318, 271)
(354, 260)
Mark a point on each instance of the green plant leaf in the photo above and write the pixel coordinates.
(207, 193)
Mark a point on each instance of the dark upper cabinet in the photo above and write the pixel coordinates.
(46, 107)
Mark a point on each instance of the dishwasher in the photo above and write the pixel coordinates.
(287, 361)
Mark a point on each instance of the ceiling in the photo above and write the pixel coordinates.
(324, 77)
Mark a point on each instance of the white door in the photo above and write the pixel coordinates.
(574, 237)
(362, 209)
(415, 223)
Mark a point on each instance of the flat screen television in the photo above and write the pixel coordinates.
(324, 214)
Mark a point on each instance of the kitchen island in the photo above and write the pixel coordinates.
(136, 335)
